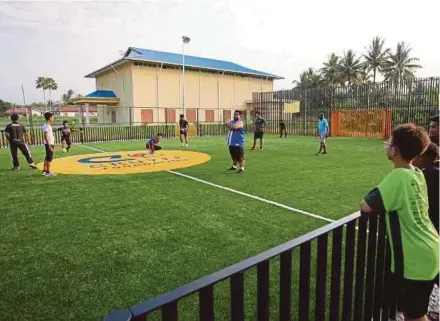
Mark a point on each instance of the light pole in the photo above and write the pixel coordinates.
(185, 40)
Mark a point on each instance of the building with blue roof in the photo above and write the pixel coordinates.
(153, 82)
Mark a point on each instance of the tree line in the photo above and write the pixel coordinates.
(351, 69)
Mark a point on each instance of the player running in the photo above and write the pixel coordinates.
(258, 130)
(183, 127)
(322, 131)
(18, 136)
(151, 144)
(65, 135)
(235, 142)
(49, 144)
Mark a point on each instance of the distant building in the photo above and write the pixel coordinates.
(75, 111)
(151, 81)
(23, 111)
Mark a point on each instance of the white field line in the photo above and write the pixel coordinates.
(292, 209)
(92, 148)
(253, 197)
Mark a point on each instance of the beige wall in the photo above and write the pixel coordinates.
(119, 82)
(149, 87)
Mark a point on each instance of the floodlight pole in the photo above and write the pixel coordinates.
(185, 40)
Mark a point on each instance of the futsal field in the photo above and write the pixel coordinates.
(80, 246)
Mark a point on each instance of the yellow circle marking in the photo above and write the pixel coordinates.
(114, 163)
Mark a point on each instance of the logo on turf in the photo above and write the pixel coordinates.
(127, 162)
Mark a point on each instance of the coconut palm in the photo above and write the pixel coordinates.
(40, 84)
(376, 56)
(330, 69)
(67, 96)
(400, 65)
(50, 85)
(308, 79)
(350, 67)
(364, 77)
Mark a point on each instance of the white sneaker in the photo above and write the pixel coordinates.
(50, 174)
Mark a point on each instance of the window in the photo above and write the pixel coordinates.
(146, 116)
(209, 116)
(171, 115)
(191, 115)
(226, 115)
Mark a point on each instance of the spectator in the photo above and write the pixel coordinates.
(428, 163)
(433, 129)
(402, 196)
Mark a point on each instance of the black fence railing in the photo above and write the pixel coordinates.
(343, 274)
(125, 133)
(414, 100)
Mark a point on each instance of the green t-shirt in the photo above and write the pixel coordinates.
(414, 241)
(259, 125)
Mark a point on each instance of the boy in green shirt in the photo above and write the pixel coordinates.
(414, 242)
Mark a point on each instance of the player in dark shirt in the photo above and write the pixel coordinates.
(428, 163)
(66, 133)
(18, 136)
(183, 130)
(283, 129)
(151, 144)
(434, 130)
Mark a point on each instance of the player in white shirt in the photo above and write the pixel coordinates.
(49, 143)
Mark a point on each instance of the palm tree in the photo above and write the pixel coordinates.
(350, 67)
(50, 85)
(364, 77)
(40, 84)
(308, 79)
(400, 65)
(67, 97)
(376, 56)
(330, 69)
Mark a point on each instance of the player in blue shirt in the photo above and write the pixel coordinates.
(151, 144)
(235, 141)
(322, 133)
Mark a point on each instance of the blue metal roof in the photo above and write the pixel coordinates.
(191, 61)
(102, 94)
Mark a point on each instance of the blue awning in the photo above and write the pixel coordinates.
(102, 94)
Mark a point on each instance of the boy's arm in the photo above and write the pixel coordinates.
(8, 135)
(27, 136)
(46, 139)
(238, 125)
(383, 198)
(373, 202)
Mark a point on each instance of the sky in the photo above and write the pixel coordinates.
(66, 40)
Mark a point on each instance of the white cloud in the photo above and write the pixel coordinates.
(67, 40)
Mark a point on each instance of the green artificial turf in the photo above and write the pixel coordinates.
(77, 247)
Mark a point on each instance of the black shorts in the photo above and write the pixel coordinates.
(153, 147)
(49, 154)
(258, 135)
(67, 140)
(183, 132)
(237, 153)
(414, 297)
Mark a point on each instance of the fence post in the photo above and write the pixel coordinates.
(31, 125)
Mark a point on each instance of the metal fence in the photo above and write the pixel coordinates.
(408, 101)
(348, 279)
(359, 108)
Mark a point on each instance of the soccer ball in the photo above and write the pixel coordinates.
(64, 150)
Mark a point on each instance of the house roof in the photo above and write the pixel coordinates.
(75, 109)
(18, 110)
(168, 58)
